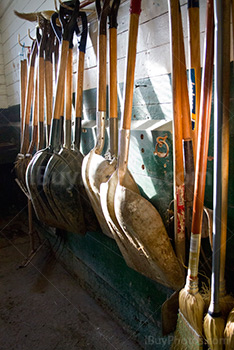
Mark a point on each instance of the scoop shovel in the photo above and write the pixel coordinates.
(34, 177)
(128, 247)
(95, 168)
(137, 217)
(62, 179)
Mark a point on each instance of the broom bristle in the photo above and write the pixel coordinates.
(214, 331)
(185, 336)
(229, 332)
(192, 307)
(205, 293)
(226, 304)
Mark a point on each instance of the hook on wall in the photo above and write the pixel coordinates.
(29, 35)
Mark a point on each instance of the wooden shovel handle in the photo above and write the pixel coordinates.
(195, 65)
(186, 120)
(80, 66)
(28, 101)
(79, 85)
(23, 85)
(49, 90)
(35, 117)
(102, 49)
(61, 80)
(69, 85)
(102, 73)
(41, 90)
(131, 62)
(113, 101)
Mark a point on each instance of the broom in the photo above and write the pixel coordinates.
(226, 301)
(191, 303)
(213, 322)
(229, 329)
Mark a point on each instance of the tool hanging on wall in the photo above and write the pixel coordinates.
(137, 217)
(34, 177)
(213, 321)
(65, 195)
(130, 247)
(191, 303)
(95, 168)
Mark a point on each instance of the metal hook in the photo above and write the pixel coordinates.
(22, 45)
(29, 35)
(161, 140)
(55, 5)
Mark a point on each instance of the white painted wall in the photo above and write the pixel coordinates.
(153, 53)
(3, 91)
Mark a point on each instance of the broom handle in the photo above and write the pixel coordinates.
(203, 139)
(179, 209)
(195, 69)
(217, 187)
(225, 140)
(187, 138)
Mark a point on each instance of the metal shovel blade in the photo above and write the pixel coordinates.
(61, 184)
(95, 170)
(139, 218)
(34, 181)
(130, 248)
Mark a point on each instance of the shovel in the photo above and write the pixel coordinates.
(128, 246)
(34, 177)
(137, 217)
(95, 168)
(62, 178)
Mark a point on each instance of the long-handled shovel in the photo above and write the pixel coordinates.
(213, 322)
(62, 178)
(34, 178)
(95, 168)
(137, 217)
(131, 250)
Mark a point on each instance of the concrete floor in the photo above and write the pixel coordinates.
(42, 307)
